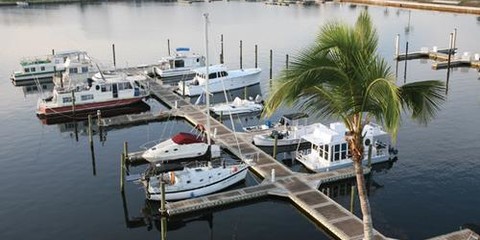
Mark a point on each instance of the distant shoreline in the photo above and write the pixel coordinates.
(468, 7)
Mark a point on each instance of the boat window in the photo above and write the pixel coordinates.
(27, 69)
(166, 151)
(198, 59)
(223, 74)
(73, 70)
(175, 149)
(120, 86)
(104, 88)
(32, 69)
(87, 97)
(84, 69)
(42, 68)
(97, 87)
(127, 85)
(201, 180)
(188, 181)
(67, 99)
(179, 63)
(218, 174)
(212, 75)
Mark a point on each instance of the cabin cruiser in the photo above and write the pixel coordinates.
(181, 63)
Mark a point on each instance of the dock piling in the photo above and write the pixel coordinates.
(163, 210)
(271, 63)
(369, 164)
(275, 143)
(90, 133)
(168, 46)
(450, 45)
(454, 45)
(73, 103)
(122, 172)
(286, 62)
(221, 49)
(397, 46)
(114, 58)
(53, 51)
(406, 60)
(241, 57)
(256, 56)
(272, 179)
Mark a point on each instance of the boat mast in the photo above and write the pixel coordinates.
(207, 93)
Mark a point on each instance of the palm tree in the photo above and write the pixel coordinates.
(342, 76)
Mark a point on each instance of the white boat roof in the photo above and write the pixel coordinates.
(211, 69)
(69, 52)
(336, 133)
(325, 135)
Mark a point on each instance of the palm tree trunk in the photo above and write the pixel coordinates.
(364, 203)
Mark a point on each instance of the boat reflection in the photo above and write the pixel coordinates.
(37, 89)
(343, 188)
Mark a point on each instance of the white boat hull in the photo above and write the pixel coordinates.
(219, 85)
(232, 109)
(267, 141)
(229, 179)
(316, 166)
(170, 151)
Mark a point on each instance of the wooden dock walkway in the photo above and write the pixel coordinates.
(300, 188)
(465, 234)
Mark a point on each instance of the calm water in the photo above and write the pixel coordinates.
(51, 189)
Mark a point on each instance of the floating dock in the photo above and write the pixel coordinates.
(441, 58)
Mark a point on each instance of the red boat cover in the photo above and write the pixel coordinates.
(186, 138)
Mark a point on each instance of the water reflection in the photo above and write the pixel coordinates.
(37, 89)
(343, 188)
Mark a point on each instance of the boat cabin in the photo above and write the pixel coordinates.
(329, 146)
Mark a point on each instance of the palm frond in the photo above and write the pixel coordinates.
(422, 99)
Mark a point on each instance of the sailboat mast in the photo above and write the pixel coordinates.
(207, 92)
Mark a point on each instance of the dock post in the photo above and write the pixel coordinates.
(397, 46)
(454, 45)
(273, 175)
(163, 226)
(352, 198)
(122, 173)
(221, 117)
(245, 93)
(256, 56)
(183, 88)
(286, 62)
(163, 210)
(125, 151)
(275, 143)
(241, 57)
(449, 60)
(73, 103)
(53, 51)
(176, 105)
(114, 59)
(90, 137)
(406, 60)
(369, 164)
(99, 117)
(221, 49)
(271, 63)
(168, 46)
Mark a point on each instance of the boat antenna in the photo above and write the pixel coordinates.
(206, 79)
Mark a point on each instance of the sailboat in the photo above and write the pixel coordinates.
(198, 178)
